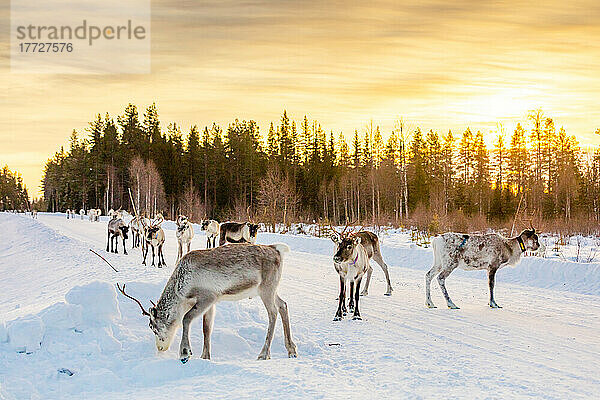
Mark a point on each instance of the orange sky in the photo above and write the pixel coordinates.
(438, 64)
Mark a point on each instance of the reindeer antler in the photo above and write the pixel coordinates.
(122, 290)
(334, 230)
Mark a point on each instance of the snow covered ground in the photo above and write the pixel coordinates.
(64, 332)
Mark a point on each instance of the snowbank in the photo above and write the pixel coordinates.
(25, 334)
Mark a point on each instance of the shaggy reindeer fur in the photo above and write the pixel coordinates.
(472, 252)
(116, 228)
(185, 234)
(203, 278)
(212, 232)
(236, 232)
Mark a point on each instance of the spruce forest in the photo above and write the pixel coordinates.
(297, 171)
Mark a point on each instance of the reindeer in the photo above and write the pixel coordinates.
(473, 252)
(155, 237)
(238, 232)
(212, 232)
(351, 262)
(94, 214)
(82, 213)
(203, 278)
(116, 228)
(185, 234)
(370, 242)
(138, 226)
(34, 214)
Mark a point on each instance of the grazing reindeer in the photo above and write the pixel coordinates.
(351, 262)
(185, 234)
(370, 242)
(212, 232)
(116, 228)
(236, 232)
(155, 238)
(202, 278)
(472, 252)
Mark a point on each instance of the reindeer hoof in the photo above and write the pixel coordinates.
(184, 360)
(387, 294)
(453, 307)
(494, 305)
(364, 293)
(337, 318)
(264, 357)
(357, 318)
(431, 305)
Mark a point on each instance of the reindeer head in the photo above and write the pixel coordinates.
(182, 220)
(162, 329)
(151, 231)
(530, 239)
(345, 248)
(253, 228)
(124, 229)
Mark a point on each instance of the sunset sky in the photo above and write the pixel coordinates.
(438, 64)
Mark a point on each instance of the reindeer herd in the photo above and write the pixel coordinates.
(202, 278)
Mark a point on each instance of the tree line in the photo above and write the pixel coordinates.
(13, 194)
(299, 172)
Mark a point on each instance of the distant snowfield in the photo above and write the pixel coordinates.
(64, 332)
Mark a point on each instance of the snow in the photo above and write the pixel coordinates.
(60, 314)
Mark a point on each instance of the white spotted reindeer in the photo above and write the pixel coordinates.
(475, 252)
(203, 278)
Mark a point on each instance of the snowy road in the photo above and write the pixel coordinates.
(544, 343)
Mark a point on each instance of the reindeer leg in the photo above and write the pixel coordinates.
(188, 246)
(124, 248)
(287, 332)
(365, 290)
(342, 300)
(153, 255)
(201, 306)
(351, 302)
(442, 281)
(356, 315)
(162, 255)
(145, 250)
(379, 260)
(491, 281)
(179, 251)
(207, 326)
(107, 241)
(428, 277)
(268, 298)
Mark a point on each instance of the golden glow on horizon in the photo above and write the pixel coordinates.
(439, 65)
